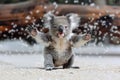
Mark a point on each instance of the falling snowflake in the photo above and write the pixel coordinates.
(28, 17)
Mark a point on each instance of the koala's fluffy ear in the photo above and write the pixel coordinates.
(48, 19)
(74, 20)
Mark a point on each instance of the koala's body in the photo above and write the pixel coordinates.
(59, 41)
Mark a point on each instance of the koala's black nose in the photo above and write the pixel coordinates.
(60, 29)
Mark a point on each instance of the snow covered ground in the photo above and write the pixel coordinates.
(14, 66)
(30, 67)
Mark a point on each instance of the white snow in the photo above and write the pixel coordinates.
(66, 1)
(15, 25)
(76, 1)
(19, 47)
(28, 17)
(98, 50)
(55, 5)
(37, 11)
(30, 66)
(82, 3)
(92, 4)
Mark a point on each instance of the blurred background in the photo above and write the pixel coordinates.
(103, 16)
(107, 2)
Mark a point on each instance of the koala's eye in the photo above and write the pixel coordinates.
(66, 26)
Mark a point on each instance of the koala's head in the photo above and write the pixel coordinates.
(59, 26)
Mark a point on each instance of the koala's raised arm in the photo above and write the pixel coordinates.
(78, 37)
(80, 40)
(40, 37)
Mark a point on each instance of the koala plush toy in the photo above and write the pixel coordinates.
(60, 39)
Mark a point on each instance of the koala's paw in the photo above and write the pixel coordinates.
(49, 68)
(32, 31)
(87, 37)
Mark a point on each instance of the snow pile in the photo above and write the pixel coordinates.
(20, 47)
(98, 50)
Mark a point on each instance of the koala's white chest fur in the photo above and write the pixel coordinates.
(61, 45)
